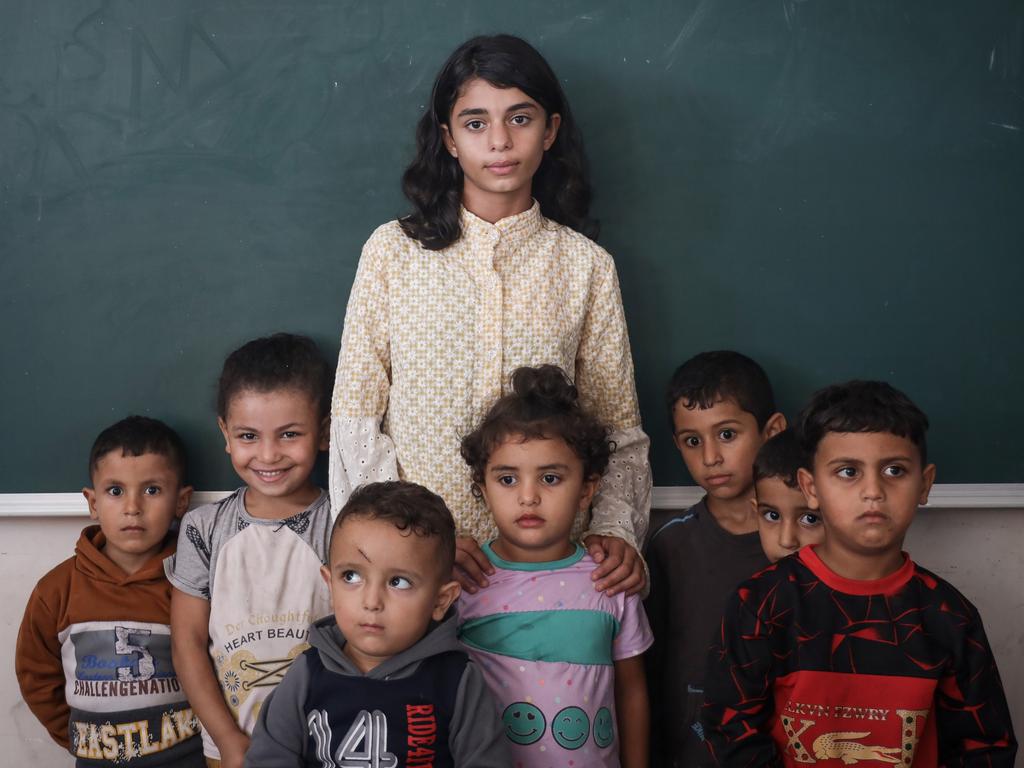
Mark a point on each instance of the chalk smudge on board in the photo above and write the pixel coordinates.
(1007, 126)
(687, 31)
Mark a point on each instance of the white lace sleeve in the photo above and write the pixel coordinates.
(360, 453)
(622, 506)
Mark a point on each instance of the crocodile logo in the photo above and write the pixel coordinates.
(843, 746)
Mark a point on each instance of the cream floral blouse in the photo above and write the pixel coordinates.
(432, 337)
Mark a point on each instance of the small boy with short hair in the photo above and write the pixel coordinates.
(385, 682)
(722, 410)
(849, 651)
(245, 574)
(93, 656)
(784, 521)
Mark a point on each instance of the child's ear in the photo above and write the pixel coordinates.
(805, 480)
(90, 496)
(776, 423)
(928, 474)
(449, 142)
(325, 574)
(447, 594)
(587, 492)
(753, 504)
(551, 131)
(184, 497)
(325, 434)
(224, 431)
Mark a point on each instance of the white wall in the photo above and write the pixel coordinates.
(981, 552)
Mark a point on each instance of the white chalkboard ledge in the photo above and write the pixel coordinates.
(966, 496)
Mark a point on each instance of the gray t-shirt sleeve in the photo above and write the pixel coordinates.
(476, 735)
(279, 739)
(189, 568)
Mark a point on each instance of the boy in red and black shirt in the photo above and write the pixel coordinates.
(848, 652)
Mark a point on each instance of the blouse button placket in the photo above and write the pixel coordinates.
(487, 386)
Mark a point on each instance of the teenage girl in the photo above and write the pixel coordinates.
(491, 271)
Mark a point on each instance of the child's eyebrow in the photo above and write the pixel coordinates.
(289, 425)
(716, 425)
(504, 468)
(845, 460)
(861, 462)
(554, 466)
(727, 421)
(470, 111)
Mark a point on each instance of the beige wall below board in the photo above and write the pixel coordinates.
(981, 552)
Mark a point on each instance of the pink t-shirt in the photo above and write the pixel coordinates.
(547, 641)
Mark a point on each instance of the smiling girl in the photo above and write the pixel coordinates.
(492, 270)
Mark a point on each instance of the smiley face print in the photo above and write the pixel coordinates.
(570, 727)
(524, 723)
(604, 730)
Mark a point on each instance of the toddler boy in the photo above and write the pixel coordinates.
(94, 651)
(849, 651)
(385, 682)
(784, 521)
(722, 410)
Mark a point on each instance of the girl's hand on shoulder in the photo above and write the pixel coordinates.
(619, 567)
(471, 565)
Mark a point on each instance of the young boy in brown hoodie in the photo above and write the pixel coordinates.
(94, 651)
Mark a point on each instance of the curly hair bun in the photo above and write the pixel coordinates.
(547, 386)
(543, 404)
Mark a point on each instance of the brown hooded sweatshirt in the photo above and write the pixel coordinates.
(94, 661)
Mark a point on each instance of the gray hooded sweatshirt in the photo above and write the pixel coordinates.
(287, 719)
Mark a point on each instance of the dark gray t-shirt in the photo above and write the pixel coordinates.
(695, 566)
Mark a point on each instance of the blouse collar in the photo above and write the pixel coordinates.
(510, 231)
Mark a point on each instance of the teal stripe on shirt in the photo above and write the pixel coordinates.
(570, 636)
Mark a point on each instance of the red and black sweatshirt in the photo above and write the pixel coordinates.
(811, 668)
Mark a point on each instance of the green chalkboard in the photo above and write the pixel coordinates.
(835, 187)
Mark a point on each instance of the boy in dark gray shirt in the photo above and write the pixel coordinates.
(722, 409)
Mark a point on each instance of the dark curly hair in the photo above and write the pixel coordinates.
(281, 361)
(543, 403)
(409, 507)
(862, 406)
(720, 375)
(781, 456)
(137, 435)
(433, 181)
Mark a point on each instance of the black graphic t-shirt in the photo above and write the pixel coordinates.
(812, 668)
(379, 723)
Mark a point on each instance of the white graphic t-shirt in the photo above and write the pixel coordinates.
(262, 578)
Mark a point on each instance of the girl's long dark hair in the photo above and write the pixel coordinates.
(433, 181)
